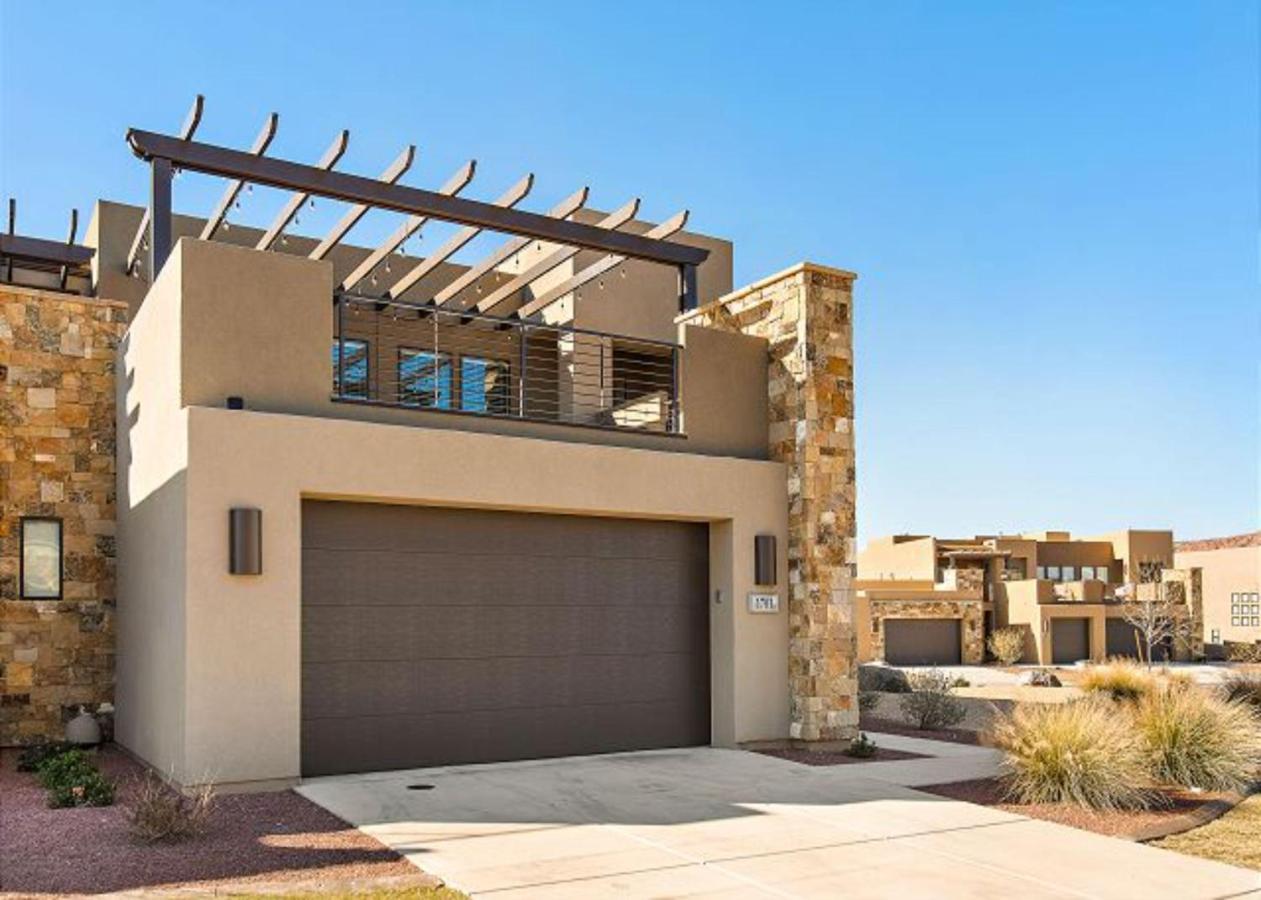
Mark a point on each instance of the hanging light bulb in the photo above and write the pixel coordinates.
(601, 284)
(374, 279)
(311, 204)
(284, 239)
(249, 189)
(227, 226)
(297, 220)
(236, 204)
(387, 266)
(622, 271)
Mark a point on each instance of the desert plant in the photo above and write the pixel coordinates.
(931, 704)
(156, 813)
(1198, 740)
(71, 779)
(1237, 651)
(868, 701)
(884, 679)
(862, 747)
(1082, 753)
(959, 681)
(1244, 688)
(1118, 679)
(1007, 645)
(35, 755)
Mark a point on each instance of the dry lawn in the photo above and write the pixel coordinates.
(412, 893)
(1231, 839)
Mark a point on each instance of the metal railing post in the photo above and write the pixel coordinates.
(521, 374)
(341, 346)
(674, 390)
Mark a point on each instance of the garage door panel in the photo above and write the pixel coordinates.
(1070, 640)
(443, 636)
(1123, 638)
(921, 642)
(416, 687)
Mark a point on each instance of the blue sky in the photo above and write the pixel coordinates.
(1053, 207)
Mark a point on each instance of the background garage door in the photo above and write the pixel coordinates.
(922, 642)
(1121, 638)
(434, 636)
(1070, 640)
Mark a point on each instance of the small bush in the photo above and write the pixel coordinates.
(959, 681)
(1118, 679)
(1007, 645)
(884, 679)
(931, 705)
(1237, 651)
(35, 755)
(159, 814)
(1082, 753)
(862, 747)
(1197, 740)
(71, 779)
(868, 701)
(1245, 689)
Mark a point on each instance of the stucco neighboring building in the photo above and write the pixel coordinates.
(379, 510)
(1231, 568)
(928, 600)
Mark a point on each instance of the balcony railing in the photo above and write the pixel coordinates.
(423, 357)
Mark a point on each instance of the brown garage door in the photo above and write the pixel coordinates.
(1122, 638)
(1070, 640)
(922, 642)
(434, 636)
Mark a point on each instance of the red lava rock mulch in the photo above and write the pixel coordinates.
(838, 758)
(277, 836)
(1184, 810)
(889, 726)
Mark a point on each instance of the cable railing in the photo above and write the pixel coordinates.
(417, 356)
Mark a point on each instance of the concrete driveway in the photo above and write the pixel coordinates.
(706, 822)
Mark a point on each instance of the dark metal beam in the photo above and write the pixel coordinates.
(191, 121)
(74, 227)
(671, 226)
(16, 246)
(261, 143)
(614, 220)
(159, 215)
(213, 160)
(454, 185)
(511, 197)
(296, 200)
(562, 210)
(393, 172)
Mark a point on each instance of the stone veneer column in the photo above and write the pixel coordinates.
(57, 459)
(806, 313)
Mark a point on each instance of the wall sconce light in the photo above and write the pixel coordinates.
(245, 541)
(764, 557)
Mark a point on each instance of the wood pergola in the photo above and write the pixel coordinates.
(167, 154)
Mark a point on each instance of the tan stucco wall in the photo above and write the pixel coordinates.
(899, 557)
(1230, 570)
(213, 680)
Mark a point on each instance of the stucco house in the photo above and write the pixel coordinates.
(289, 506)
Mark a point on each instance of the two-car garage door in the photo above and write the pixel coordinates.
(439, 636)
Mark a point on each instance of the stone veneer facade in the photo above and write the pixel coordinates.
(57, 355)
(806, 313)
(971, 613)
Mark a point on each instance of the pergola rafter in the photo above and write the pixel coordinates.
(259, 147)
(612, 222)
(454, 185)
(670, 226)
(511, 197)
(393, 172)
(298, 199)
(191, 121)
(562, 210)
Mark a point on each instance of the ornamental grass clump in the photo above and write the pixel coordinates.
(1198, 740)
(1082, 753)
(1245, 688)
(1118, 679)
(159, 814)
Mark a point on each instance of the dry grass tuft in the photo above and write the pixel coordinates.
(1118, 679)
(160, 814)
(1081, 753)
(1198, 740)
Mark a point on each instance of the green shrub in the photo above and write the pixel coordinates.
(931, 704)
(71, 779)
(868, 701)
(1244, 688)
(1082, 753)
(1119, 679)
(1007, 645)
(35, 755)
(1198, 740)
(862, 747)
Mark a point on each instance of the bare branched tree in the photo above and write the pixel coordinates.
(1156, 610)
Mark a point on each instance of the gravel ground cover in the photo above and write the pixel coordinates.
(837, 757)
(877, 724)
(251, 838)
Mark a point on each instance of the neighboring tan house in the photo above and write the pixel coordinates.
(925, 600)
(377, 511)
(1231, 568)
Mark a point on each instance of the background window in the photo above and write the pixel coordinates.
(1042, 571)
(355, 369)
(484, 385)
(1070, 573)
(1215, 636)
(1053, 573)
(41, 559)
(424, 379)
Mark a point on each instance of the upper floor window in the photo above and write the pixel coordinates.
(1150, 572)
(1069, 573)
(424, 379)
(353, 369)
(484, 385)
(1015, 568)
(41, 560)
(1053, 573)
